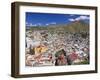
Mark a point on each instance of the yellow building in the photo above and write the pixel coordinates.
(40, 49)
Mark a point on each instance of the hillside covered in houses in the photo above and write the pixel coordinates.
(57, 45)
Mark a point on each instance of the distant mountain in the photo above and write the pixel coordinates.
(77, 26)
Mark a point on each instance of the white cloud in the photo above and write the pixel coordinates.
(47, 24)
(34, 25)
(79, 18)
(53, 23)
(82, 18)
(71, 19)
(30, 24)
(39, 24)
(50, 23)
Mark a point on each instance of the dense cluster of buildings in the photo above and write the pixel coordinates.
(54, 48)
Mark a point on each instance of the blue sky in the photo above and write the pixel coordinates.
(45, 19)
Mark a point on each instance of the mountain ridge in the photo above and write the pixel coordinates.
(76, 26)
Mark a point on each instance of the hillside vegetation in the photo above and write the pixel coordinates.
(77, 27)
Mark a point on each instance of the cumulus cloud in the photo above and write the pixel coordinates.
(50, 23)
(71, 19)
(82, 18)
(79, 18)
